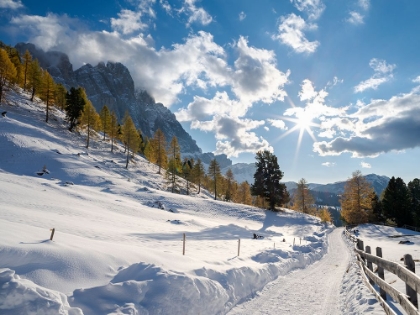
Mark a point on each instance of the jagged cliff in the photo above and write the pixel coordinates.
(111, 84)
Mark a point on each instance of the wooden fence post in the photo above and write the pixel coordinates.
(183, 245)
(369, 264)
(360, 246)
(52, 234)
(239, 246)
(409, 264)
(381, 273)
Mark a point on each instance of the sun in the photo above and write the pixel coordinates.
(304, 120)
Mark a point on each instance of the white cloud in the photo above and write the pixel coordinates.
(383, 73)
(329, 164)
(291, 33)
(128, 22)
(166, 6)
(355, 18)
(242, 16)
(278, 123)
(11, 4)
(365, 165)
(307, 91)
(364, 4)
(313, 8)
(196, 15)
(417, 80)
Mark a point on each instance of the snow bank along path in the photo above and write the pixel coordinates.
(313, 290)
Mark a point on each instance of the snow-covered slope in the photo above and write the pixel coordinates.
(118, 242)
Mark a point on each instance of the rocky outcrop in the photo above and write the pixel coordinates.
(111, 84)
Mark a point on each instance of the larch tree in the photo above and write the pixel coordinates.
(244, 193)
(267, 179)
(198, 174)
(7, 72)
(174, 164)
(356, 200)
(105, 119)
(131, 137)
(159, 146)
(230, 182)
(75, 102)
(47, 92)
(396, 202)
(27, 59)
(34, 78)
(90, 120)
(215, 175)
(60, 96)
(15, 59)
(113, 130)
(303, 200)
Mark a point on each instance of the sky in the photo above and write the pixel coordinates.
(330, 87)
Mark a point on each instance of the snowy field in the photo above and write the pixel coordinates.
(117, 247)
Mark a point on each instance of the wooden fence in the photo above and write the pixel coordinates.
(406, 273)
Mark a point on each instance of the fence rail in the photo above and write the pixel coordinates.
(406, 273)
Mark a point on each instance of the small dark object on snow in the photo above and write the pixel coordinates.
(256, 236)
(4, 114)
(405, 242)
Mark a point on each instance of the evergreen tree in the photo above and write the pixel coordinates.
(414, 188)
(267, 179)
(230, 182)
(75, 102)
(376, 209)
(47, 92)
(187, 166)
(105, 119)
(174, 164)
(34, 78)
(27, 59)
(396, 202)
(90, 120)
(214, 174)
(356, 201)
(303, 200)
(198, 173)
(131, 136)
(7, 72)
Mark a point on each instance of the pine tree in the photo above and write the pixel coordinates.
(198, 174)
(47, 92)
(27, 59)
(75, 102)
(356, 201)
(34, 78)
(215, 174)
(174, 164)
(396, 202)
(303, 200)
(414, 188)
(187, 166)
(105, 119)
(90, 120)
(267, 179)
(376, 215)
(131, 136)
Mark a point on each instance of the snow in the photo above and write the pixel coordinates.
(117, 247)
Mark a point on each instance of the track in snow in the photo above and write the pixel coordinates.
(314, 290)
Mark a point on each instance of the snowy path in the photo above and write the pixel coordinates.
(314, 290)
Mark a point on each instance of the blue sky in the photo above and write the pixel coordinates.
(329, 86)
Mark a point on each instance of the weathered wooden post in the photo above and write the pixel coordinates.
(52, 233)
(381, 273)
(183, 245)
(412, 294)
(369, 264)
(360, 246)
(239, 246)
